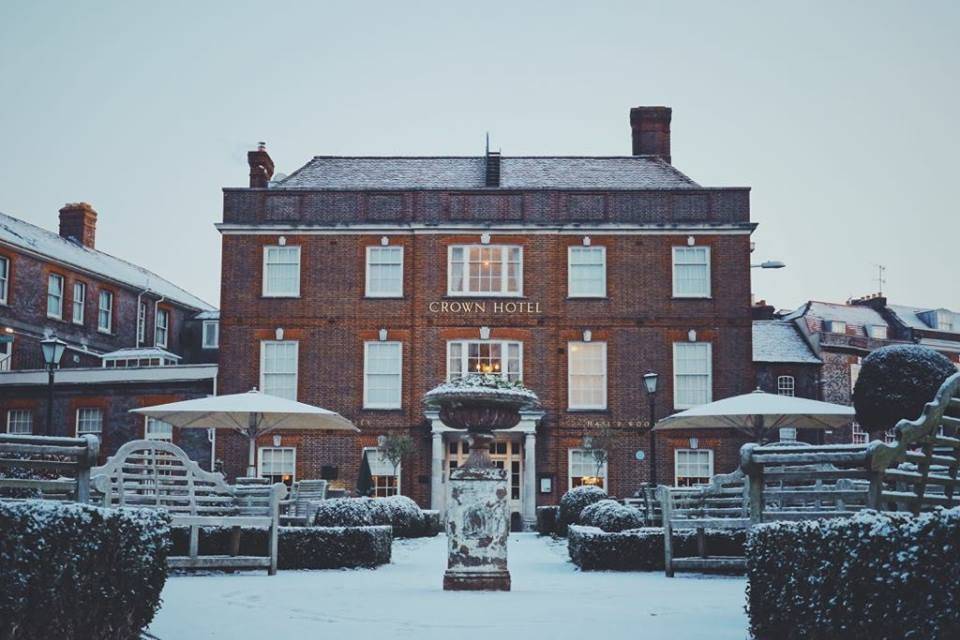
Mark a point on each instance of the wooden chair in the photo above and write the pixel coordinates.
(160, 475)
(302, 505)
(67, 462)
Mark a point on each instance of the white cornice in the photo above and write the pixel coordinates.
(745, 228)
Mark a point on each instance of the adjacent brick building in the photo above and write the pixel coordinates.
(133, 338)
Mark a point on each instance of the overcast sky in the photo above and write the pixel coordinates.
(842, 116)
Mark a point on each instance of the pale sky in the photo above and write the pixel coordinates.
(842, 116)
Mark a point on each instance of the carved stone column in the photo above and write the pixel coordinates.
(436, 473)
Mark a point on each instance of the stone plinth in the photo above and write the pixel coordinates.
(478, 525)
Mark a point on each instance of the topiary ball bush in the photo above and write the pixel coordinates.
(574, 501)
(611, 516)
(896, 382)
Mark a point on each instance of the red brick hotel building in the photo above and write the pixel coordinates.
(359, 283)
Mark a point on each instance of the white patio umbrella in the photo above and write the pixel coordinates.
(252, 414)
(758, 412)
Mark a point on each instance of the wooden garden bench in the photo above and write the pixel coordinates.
(302, 505)
(160, 475)
(66, 462)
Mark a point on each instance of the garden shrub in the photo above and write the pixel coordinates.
(611, 516)
(433, 523)
(873, 575)
(400, 512)
(79, 572)
(641, 549)
(896, 382)
(574, 501)
(547, 520)
(300, 547)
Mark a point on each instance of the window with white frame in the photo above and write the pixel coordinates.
(692, 374)
(691, 272)
(858, 435)
(835, 326)
(786, 385)
(6, 355)
(384, 272)
(382, 377)
(20, 421)
(161, 326)
(4, 279)
(55, 296)
(142, 323)
(211, 334)
(493, 357)
(384, 478)
(278, 368)
(79, 301)
(587, 272)
(587, 375)
(877, 331)
(584, 469)
(278, 464)
(490, 270)
(105, 312)
(89, 420)
(281, 272)
(692, 466)
(157, 430)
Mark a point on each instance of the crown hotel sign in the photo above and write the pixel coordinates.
(472, 307)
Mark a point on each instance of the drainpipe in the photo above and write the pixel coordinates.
(137, 337)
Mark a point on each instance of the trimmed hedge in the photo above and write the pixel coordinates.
(573, 502)
(72, 571)
(611, 516)
(300, 547)
(400, 512)
(593, 549)
(873, 575)
(547, 520)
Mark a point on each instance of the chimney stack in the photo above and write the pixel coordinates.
(261, 166)
(651, 131)
(493, 169)
(78, 223)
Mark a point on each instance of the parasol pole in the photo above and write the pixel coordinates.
(252, 436)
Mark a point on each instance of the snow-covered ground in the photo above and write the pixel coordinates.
(550, 599)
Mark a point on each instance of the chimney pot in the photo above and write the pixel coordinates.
(261, 166)
(78, 223)
(651, 131)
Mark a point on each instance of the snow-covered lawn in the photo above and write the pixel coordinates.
(550, 599)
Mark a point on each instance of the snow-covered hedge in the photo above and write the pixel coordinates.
(301, 547)
(896, 382)
(547, 519)
(641, 549)
(400, 512)
(574, 501)
(76, 571)
(611, 516)
(874, 575)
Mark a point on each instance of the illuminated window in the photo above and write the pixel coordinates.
(278, 464)
(485, 356)
(583, 469)
(384, 479)
(692, 466)
(492, 270)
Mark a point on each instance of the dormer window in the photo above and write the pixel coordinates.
(835, 326)
(877, 331)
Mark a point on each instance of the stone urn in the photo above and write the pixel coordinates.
(477, 513)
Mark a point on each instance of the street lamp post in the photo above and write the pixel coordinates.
(52, 348)
(650, 382)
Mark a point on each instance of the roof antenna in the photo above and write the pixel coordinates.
(880, 279)
(487, 152)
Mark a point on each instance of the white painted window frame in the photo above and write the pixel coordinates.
(604, 471)
(504, 261)
(786, 383)
(6, 356)
(51, 278)
(216, 334)
(296, 368)
(78, 305)
(161, 328)
(79, 412)
(146, 430)
(109, 309)
(367, 404)
(142, 323)
(260, 450)
(676, 387)
(19, 411)
(709, 275)
(465, 355)
(4, 279)
(676, 464)
(281, 294)
(368, 272)
(571, 250)
(570, 351)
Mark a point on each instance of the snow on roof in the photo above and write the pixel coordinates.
(910, 316)
(19, 233)
(469, 172)
(144, 352)
(96, 375)
(208, 315)
(779, 341)
(853, 315)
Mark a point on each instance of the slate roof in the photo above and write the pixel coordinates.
(910, 316)
(541, 172)
(853, 315)
(18, 233)
(780, 341)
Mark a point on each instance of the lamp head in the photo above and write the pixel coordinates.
(650, 380)
(53, 348)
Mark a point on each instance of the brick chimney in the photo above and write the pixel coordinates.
(261, 166)
(78, 222)
(876, 301)
(651, 131)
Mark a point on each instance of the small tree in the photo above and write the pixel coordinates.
(396, 447)
(600, 445)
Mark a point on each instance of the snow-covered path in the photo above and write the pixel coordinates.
(550, 599)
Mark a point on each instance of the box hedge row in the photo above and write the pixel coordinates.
(300, 547)
(873, 575)
(593, 549)
(72, 571)
(399, 512)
